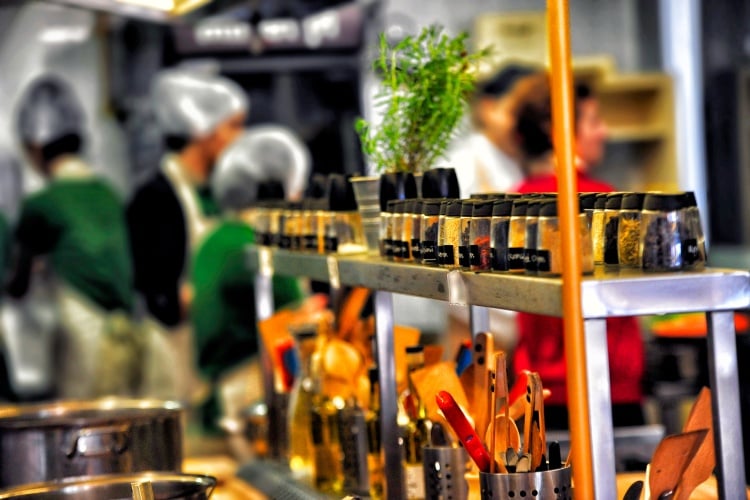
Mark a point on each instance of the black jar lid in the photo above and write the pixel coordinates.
(444, 206)
(548, 208)
(587, 200)
(440, 181)
(316, 188)
(467, 207)
(482, 208)
(341, 194)
(532, 208)
(689, 199)
(399, 206)
(320, 204)
(453, 208)
(415, 206)
(513, 196)
(431, 206)
(632, 201)
(601, 201)
(396, 186)
(614, 200)
(488, 196)
(391, 207)
(502, 208)
(663, 202)
(519, 207)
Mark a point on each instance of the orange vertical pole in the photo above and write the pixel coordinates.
(558, 29)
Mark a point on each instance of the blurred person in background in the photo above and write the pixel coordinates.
(489, 159)
(199, 116)
(76, 225)
(540, 338)
(223, 307)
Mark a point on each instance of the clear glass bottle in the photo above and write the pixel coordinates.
(549, 242)
(464, 241)
(417, 430)
(499, 233)
(406, 230)
(662, 227)
(629, 230)
(285, 226)
(480, 246)
(429, 229)
(397, 227)
(374, 444)
(597, 228)
(694, 241)
(275, 222)
(416, 231)
(386, 231)
(529, 244)
(611, 223)
(517, 235)
(587, 202)
(344, 231)
(321, 216)
(300, 409)
(449, 234)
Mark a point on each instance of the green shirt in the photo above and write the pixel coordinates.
(80, 223)
(223, 307)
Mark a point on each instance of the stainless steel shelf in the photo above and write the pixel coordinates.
(604, 294)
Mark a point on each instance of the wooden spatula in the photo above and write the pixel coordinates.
(483, 350)
(670, 460)
(702, 465)
(533, 431)
(489, 441)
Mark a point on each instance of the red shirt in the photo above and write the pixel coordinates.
(540, 338)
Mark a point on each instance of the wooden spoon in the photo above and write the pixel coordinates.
(483, 349)
(670, 459)
(533, 430)
(702, 465)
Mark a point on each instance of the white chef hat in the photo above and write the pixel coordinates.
(192, 104)
(47, 111)
(261, 154)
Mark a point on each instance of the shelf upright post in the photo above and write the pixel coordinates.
(394, 472)
(725, 396)
(479, 318)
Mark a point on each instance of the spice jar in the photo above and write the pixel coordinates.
(480, 253)
(285, 226)
(487, 196)
(320, 207)
(629, 230)
(428, 235)
(549, 241)
(386, 231)
(597, 227)
(499, 233)
(464, 242)
(308, 239)
(662, 227)
(274, 222)
(411, 230)
(517, 235)
(694, 242)
(529, 245)
(587, 202)
(397, 225)
(611, 221)
(261, 223)
(343, 229)
(449, 234)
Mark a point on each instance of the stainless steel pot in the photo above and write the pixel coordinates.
(117, 487)
(85, 438)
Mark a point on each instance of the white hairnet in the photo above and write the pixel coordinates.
(48, 110)
(192, 105)
(260, 154)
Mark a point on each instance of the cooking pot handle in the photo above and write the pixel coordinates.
(99, 441)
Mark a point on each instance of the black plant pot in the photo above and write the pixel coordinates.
(440, 183)
(396, 186)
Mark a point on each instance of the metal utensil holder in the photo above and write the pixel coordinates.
(444, 470)
(546, 485)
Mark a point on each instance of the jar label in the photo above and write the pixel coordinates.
(529, 259)
(396, 249)
(403, 249)
(474, 256)
(311, 242)
(499, 259)
(429, 251)
(690, 251)
(388, 248)
(446, 255)
(464, 256)
(285, 241)
(416, 251)
(297, 242)
(331, 243)
(515, 258)
(265, 239)
(542, 261)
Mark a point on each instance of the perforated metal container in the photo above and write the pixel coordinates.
(547, 485)
(444, 472)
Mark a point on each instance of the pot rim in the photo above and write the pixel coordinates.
(73, 484)
(72, 412)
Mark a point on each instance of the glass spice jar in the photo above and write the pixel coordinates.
(386, 231)
(262, 221)
(308, 240)
(414, 230)
(406, 226)
(428, 231)
(319, 220)
(517, 235)
(344, 233)
(549, 241)
(450, 235)
(597, 227)
(694, 241)
(499, 233)
(629, 230)
(587, 202)
(284, 238)
(464, 243)
(397, 225)
(481, 222)
(529, 242)
(662, 227)
(611, 221)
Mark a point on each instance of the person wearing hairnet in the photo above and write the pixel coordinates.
(199, 116)
(222, 312)
(76, 224)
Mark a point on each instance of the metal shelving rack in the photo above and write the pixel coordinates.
(717, 292)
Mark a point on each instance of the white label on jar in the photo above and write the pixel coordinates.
(414, 482)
